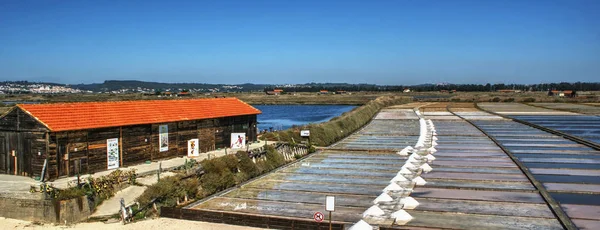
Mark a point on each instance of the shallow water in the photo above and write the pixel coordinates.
(282, 117)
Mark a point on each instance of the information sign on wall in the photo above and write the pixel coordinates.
(112, 153)
(238, 140)
(163, 137)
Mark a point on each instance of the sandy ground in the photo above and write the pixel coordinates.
(161, 223)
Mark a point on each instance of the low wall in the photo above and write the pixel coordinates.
(243, 219)
(47, 211)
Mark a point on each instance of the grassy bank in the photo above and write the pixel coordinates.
(354, 98)
(212, 176)
(327, 133)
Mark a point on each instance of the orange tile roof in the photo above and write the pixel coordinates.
(89, 115)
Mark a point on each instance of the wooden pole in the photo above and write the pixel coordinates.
(47, 151)
(16, 165)
(121, 147)
(329, 220)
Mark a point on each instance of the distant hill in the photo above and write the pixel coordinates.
(133, 86)
(114, 85)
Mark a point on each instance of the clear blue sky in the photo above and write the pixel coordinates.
(381, 42)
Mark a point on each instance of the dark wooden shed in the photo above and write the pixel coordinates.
(80, 137)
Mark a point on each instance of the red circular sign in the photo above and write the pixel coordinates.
(318, 216)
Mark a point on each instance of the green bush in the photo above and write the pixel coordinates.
(214, 182)
(215, 165)
(529, 99)
(247, 166)
(274, 159)
(220, 174)
(168, 190)
(268, 137)
(230, 162)
(71, 193)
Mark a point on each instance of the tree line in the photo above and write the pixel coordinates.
(578, 86)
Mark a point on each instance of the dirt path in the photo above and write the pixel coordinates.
(161, 223)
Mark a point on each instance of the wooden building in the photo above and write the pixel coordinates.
(88, 137)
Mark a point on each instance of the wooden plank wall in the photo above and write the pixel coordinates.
(26, 136)
(77, 161)
(206, 135)
(18, 120)
(137, 144)
(96, 141)
(186, 130)
(172, 151)
(37, 152)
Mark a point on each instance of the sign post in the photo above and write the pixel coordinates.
(305, 133)
(330, 206)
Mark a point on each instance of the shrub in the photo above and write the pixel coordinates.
(70, 193)
(510, 99)
(230, 162)
(214, 182)
(168, 190)
(529, 99)
(274, 159)
(215, 165)
(268, 137)
(246, 165)
(283, 136)
(496, 99)
(99, 189)
(311, 149)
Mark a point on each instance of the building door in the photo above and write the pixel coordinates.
(9, 148)
(62, 158)
(14, 153)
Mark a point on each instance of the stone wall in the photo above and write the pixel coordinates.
(47, 211)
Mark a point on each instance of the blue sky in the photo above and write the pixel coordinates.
(380, 42)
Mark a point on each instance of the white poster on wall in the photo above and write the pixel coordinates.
(163, 137)
(193, 150)
(238, 140)
(112, 153)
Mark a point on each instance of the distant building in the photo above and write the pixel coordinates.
(564, 93)
(323, 91)
(184, 94)
(406, 90)
(509, 91)
(340, 92)
(275, 92)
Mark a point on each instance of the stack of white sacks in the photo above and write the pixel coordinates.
(395, 198)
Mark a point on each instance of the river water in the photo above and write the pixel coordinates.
(281, 117)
